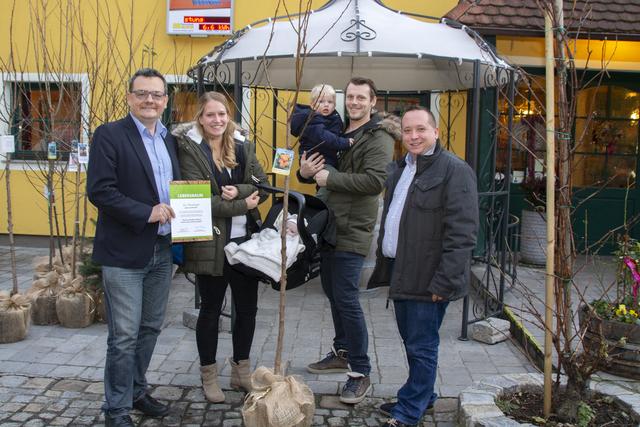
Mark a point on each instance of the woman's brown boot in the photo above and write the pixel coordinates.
(241, 375)
(212, 390)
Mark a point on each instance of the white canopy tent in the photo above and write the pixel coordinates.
(346, 38)
(354, 37)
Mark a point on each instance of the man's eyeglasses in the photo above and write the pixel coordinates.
(141, 95)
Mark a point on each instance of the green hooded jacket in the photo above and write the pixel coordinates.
(208, 257)
(354, 188)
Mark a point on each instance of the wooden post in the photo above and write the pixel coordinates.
(550, 169)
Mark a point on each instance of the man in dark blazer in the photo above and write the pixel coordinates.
(131, 163)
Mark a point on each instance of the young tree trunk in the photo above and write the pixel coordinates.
(50, 201)
(283, 278)
(76, 225)
(12, 243)
(576, 390)
(58, 236)
(63, 175)
(565, 255)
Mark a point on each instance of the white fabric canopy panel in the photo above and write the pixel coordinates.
(356, 37)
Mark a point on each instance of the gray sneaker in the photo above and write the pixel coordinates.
(334, 363)
(356, 388)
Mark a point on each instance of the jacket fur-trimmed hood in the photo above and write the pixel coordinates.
(391, 124)
(189, 130)
(387, 122)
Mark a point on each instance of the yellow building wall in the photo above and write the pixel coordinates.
(29, 204)
(107, 41)
(592, 54)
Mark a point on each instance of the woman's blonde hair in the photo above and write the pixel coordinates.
(228, 155)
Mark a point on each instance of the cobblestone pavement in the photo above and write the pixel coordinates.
(42, 401)
(52, 353)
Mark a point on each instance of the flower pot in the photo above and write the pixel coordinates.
(533, 237)
(622, 341)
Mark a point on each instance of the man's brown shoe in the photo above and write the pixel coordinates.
(334, 363)
(356, 388)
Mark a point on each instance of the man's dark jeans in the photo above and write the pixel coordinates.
(340, 274)
(418, 323)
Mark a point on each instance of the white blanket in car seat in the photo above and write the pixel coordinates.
(262, 252)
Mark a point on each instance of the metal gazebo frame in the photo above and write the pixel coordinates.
(495, 253)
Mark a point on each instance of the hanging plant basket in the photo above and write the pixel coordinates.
(15, 318)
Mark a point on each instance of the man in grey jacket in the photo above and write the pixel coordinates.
(428, 231)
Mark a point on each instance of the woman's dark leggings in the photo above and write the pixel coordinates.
(244, 291)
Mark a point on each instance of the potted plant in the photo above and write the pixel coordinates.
(615, 324)
(533, 225)
(42, 294)
(75, 305)
(92, 277)
(15, 308)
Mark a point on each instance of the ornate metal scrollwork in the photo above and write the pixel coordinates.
(217, 74)
(358, 30)
(450, 107)
(489, 77)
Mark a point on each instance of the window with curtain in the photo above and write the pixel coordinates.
(605, 135)
(43, 113)
(607, 126)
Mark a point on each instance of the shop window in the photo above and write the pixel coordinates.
(397, 104)
(183, 102)
(43, 113)
(607, 120)
(528, 131)
(605, 136)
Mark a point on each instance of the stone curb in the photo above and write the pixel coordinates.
(477, 408)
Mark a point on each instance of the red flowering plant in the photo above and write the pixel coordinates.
(626, 308)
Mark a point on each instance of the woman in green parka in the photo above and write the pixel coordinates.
(211, 149)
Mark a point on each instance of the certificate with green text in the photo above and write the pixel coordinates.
(191, 202)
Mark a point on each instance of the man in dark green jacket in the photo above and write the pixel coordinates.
(352, 192)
